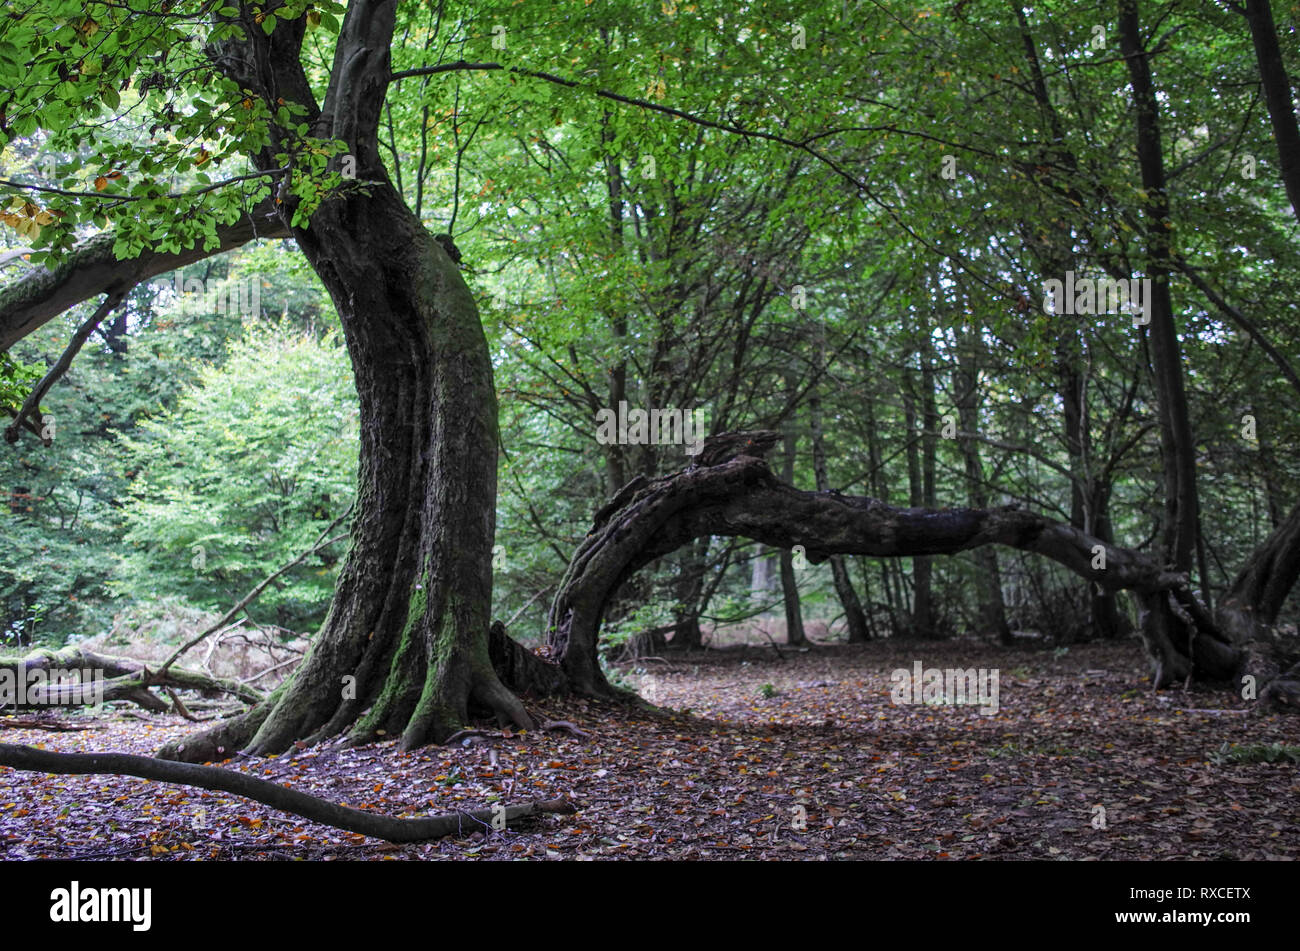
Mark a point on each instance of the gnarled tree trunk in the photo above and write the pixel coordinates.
(741, 497)
(404, 647)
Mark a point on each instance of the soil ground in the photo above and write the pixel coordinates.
(797, 756)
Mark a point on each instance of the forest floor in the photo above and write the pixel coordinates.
(758, 741)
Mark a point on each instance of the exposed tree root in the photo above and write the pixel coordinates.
(271, 794)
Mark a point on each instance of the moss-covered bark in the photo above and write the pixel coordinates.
(403, 650)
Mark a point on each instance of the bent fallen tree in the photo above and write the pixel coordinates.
(271, 794)
(41, 679)
(734, 493)
(740, 496)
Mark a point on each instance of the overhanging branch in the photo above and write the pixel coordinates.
(92, 269)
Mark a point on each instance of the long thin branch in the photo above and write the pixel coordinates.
(61, 365)
(465, 66)
(514, 617)
(320, 543)
(107, 196)
(270, 794)
(1242, 320)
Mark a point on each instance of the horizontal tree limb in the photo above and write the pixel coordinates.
(92, 269)
(741, 497)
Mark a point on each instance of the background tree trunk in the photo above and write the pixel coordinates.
(1277, 94)
(920, 479)
(794, 632)
(1179, 449)
(988, 580)
(853, 616)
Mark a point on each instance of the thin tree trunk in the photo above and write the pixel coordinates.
(689, 587)
(1277, 94)
(920, 480)
(1179, 449)
(1089, 491)
(794, 632)
(880, 488)
(965, 383)
(856, 620)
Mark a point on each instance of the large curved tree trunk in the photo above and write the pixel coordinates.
(404, 647)
(740, 496)
(1251, 606)
(405, 639)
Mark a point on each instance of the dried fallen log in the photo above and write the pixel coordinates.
(271, 794)
(38, 723)
(123, 678)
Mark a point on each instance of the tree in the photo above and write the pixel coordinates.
(405, 648)
(406, 635)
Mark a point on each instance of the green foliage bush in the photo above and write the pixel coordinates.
(252, 464)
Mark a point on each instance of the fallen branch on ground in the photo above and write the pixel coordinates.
(55, 726)
(125, 678)
(271, 794)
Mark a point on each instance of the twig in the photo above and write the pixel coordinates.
(115, 197)
(515, 616)
(775, 646)
(286, 663)
(180, 707)
(1281, 362)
